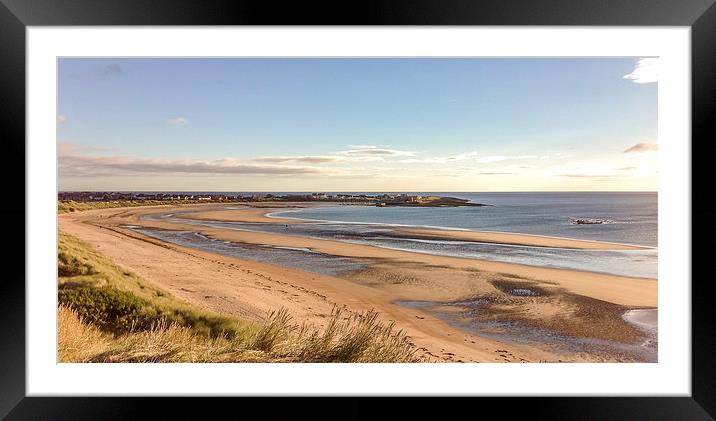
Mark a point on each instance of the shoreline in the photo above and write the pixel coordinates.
(257, 215)
(306, 220)
(391, 276)
(608, 244)
(626, 290)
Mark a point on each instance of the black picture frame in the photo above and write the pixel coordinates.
(16, 15)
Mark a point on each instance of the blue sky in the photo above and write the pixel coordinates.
(357, 124)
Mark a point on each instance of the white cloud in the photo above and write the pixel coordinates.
(362, 147)
(353, 161)
(467, 156)
(470, 157)
(370, 153)
(354, 153)
(61, 119)
(645, 71)
(373, 151)
(462, 157)
(642, 147)
(178, 121)
(361, 153)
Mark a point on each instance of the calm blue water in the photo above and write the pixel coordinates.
(634, 215)
(641, 263)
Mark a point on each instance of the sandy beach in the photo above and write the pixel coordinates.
(567, 302)
(359, 210)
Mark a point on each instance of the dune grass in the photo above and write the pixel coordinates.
(65, 206)
(107, 314)
(117, 300)
(354, 339)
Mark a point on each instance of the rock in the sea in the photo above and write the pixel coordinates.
(589, 221)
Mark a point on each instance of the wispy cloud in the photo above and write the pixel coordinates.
(591, 170)
(473, 156)
(463, 156)
(109, 70)
(642, 147)
(116, 166)
(61, 119)
(309, 159)
(178, 121)
(69, 149)
(362, 146)
(500, 158)
(75, 161)
(80, 161)
(645, 71)
(354, 153)
(597, 176)
(370, 151)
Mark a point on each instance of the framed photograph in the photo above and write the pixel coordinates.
(228, 200)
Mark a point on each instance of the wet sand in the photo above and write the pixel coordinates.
(240, 215)
(513, 239)
(571, 302)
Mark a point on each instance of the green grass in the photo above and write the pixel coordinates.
(116, 300)
(107, 314)
(108, 308)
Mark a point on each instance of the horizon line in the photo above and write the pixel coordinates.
(360, 191)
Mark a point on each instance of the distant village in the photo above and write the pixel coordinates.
(397, 199)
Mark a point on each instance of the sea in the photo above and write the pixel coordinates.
(630, 218)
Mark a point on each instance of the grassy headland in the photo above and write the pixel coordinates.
(107, 314)
(68, 205)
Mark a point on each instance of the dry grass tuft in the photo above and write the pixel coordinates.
(355, 339)
(358, 338)
(76, 340)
